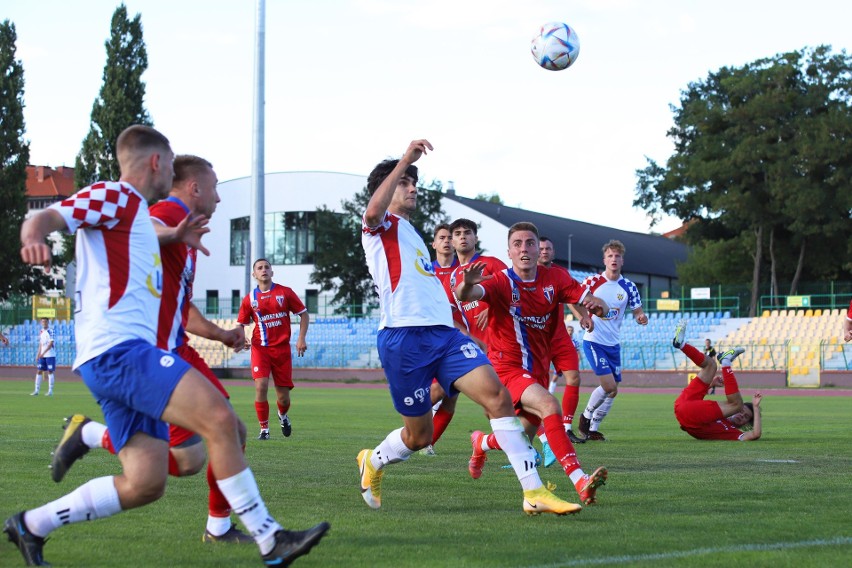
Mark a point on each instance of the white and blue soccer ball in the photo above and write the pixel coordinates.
(556, 46)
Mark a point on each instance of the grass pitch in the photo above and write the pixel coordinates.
(785, 500)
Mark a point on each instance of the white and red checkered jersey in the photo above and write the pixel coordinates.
(46, 344)
(469, 310)
(119, 272)
(621, 296)
(178, 276)
(270, 311)
(409, 292)
(524, 315)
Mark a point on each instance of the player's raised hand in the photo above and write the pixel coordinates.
(36, 253)
(190, 231)
(416, 149)
(473, 274)
(756, 399)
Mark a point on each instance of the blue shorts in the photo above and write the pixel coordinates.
(133, 383)
(604, 359)
(46, 364)
(413, 356)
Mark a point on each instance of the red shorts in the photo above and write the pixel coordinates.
(517, 381)
(177, 434)
(690, 408)
(275, 361)
(563, 354)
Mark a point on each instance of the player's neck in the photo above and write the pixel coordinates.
(545, 264)
(466, 257)
(400, 212)
(612, 275)
(265, 287)
(526, 274)
(444, 260)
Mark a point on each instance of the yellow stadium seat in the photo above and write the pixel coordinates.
(817, 313)
(765, 314)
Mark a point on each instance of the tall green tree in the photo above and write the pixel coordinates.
(339, 263)
(16, 278)
(121, 102)
(761, 161)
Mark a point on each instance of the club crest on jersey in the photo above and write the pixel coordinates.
(548, 294)
(280, 300)
(620, 296)
(254, 304)
(424, 265)
(516, 295)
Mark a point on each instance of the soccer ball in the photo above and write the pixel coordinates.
(556, 46)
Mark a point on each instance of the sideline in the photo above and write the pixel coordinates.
(627, 559)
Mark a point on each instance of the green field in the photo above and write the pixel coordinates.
(785, 500)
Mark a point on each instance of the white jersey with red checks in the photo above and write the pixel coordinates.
(270, 311)
(523, 317)
(409, 292)
(178, 276)
(621, 296)
(119, 273)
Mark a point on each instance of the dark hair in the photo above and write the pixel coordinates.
(382, 170)
(750, 407)
(523, 226)
(543, 239)
(463, 223)
(186, 166)
(441, 227)
(253, 264)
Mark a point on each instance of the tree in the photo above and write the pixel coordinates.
(120, 103)
(493, 197)
(762, 160)
(339, 263)
(16, 278)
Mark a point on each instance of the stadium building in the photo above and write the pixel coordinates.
(291, 200)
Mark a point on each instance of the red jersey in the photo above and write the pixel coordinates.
(701, 418)
(178, 275)
(469, 310)
(523, 317)
(270, 311)
(443, 272)
(718, 430)
(849, 312)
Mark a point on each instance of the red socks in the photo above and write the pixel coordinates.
(562, 447)
(440, 420)
(262, 410)
(570, 400)
(217, 504)
(731, 386)
(694, 354)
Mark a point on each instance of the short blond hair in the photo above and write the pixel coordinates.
(615, 245)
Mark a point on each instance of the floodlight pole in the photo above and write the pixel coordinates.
(257, 182)
(569, 251)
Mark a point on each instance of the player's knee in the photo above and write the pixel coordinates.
(190, 459)
(142, 490)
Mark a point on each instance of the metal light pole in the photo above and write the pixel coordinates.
(257, 181)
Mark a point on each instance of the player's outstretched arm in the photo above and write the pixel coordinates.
(380, 201)
(34, 231)
(301, 341)
(757, 430)
(199, 325)
(189, 230)
(468, 289)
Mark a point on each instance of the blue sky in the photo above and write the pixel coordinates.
(350, 82)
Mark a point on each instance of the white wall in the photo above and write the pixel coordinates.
(299, 191)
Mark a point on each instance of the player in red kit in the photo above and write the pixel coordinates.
(847, 324)
(708, 419)
(269, 305)
(524, 305)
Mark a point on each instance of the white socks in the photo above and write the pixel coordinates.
(94, 499)
(510, 435)
(390, 450)
(244, 497)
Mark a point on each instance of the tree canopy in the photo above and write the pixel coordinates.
(761, 172)
(121, 102)
(16, 278)
(339, 263)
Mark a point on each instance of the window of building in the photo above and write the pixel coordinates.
(239, 240)
(236, 298)
(312, 301)
(212, 304)
(290, 238)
